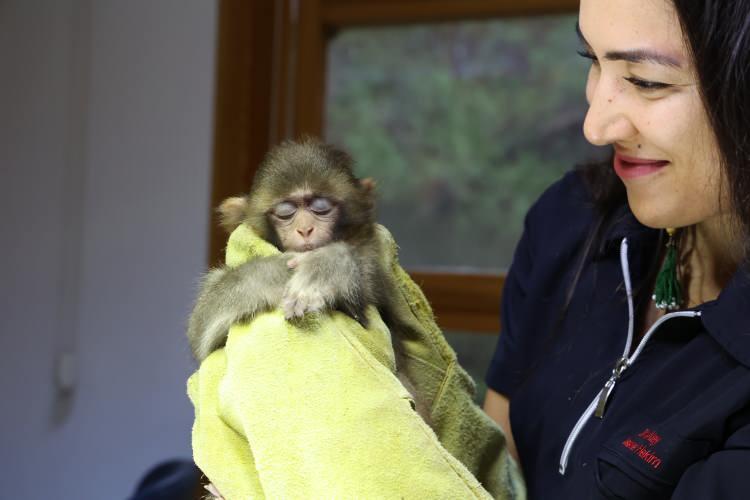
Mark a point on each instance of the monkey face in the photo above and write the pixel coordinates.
(304, 222)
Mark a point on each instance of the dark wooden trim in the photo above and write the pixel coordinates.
(309, 93)
(463, 301)
(317, 20)
(242, 103)
(340, 13)
(282, 79)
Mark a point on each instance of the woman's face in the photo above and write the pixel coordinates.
(644, 100)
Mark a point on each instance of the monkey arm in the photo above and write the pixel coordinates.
(230, 295)
(335, 276)
(329, 277)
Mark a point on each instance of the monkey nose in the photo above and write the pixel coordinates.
(305, 233)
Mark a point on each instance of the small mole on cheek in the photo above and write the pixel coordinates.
(609, 101)
(639, 146)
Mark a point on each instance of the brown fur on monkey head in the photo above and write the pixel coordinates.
(305, 169)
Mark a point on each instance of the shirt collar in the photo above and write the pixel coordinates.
(727, 318)
(623, 224)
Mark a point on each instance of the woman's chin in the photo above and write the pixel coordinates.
(655, 213)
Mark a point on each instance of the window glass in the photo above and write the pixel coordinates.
(462, 125)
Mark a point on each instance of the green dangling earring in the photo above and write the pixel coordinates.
(668, 291)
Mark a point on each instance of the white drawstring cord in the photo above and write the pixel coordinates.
(623, 363)
(592, 406)
(625, 266)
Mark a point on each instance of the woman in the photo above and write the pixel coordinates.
(605, 394)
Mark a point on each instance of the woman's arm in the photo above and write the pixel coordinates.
(497, 407)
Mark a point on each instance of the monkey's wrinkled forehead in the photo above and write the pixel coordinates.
(310, 166)
(318, 170)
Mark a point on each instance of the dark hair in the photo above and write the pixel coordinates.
(717, 34)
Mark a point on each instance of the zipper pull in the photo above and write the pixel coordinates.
(606, 391)
(604, 397)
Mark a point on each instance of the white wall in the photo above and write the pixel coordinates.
(105, 141)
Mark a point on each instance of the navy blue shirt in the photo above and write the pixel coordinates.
(677, 421)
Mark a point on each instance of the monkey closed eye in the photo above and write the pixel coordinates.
(285, 210)
(321, 206)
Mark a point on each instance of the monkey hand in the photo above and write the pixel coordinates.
(305, 292)
(301, 299)
(322, 278)
(294, 259)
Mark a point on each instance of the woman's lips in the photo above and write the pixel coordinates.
(628, 167)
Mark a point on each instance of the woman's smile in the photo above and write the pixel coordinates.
(629, 167)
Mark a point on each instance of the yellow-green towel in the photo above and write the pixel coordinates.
(313, 409)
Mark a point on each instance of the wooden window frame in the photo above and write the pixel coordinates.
(270, 86)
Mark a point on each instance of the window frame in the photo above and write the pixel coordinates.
(264, 96)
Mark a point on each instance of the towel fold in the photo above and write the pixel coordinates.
(313, 408)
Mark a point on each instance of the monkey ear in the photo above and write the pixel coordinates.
(232, 212)
(368, 183)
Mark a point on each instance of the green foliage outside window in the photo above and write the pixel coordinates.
(462, 124)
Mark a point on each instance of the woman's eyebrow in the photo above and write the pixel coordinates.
(635, 56)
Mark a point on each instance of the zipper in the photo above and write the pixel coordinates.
(609, 386)
(599, 404)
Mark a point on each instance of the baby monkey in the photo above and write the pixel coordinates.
(305, 200)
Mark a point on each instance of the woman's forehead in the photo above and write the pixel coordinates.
(647, 26)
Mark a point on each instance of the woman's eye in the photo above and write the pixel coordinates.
(284, 210)
(646, 84)
(588, 55)
(321, 206)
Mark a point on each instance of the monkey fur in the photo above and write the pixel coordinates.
(305, 200)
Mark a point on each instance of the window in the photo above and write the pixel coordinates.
(481, 101)
(462, 124)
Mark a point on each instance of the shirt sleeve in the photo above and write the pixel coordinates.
(536, 283)
(510, 361)
(723, 474)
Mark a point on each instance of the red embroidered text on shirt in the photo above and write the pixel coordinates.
(651, 436)
(640, 450)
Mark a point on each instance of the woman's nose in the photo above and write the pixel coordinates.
(608, 118)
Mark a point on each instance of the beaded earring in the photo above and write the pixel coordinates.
(668, 291)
